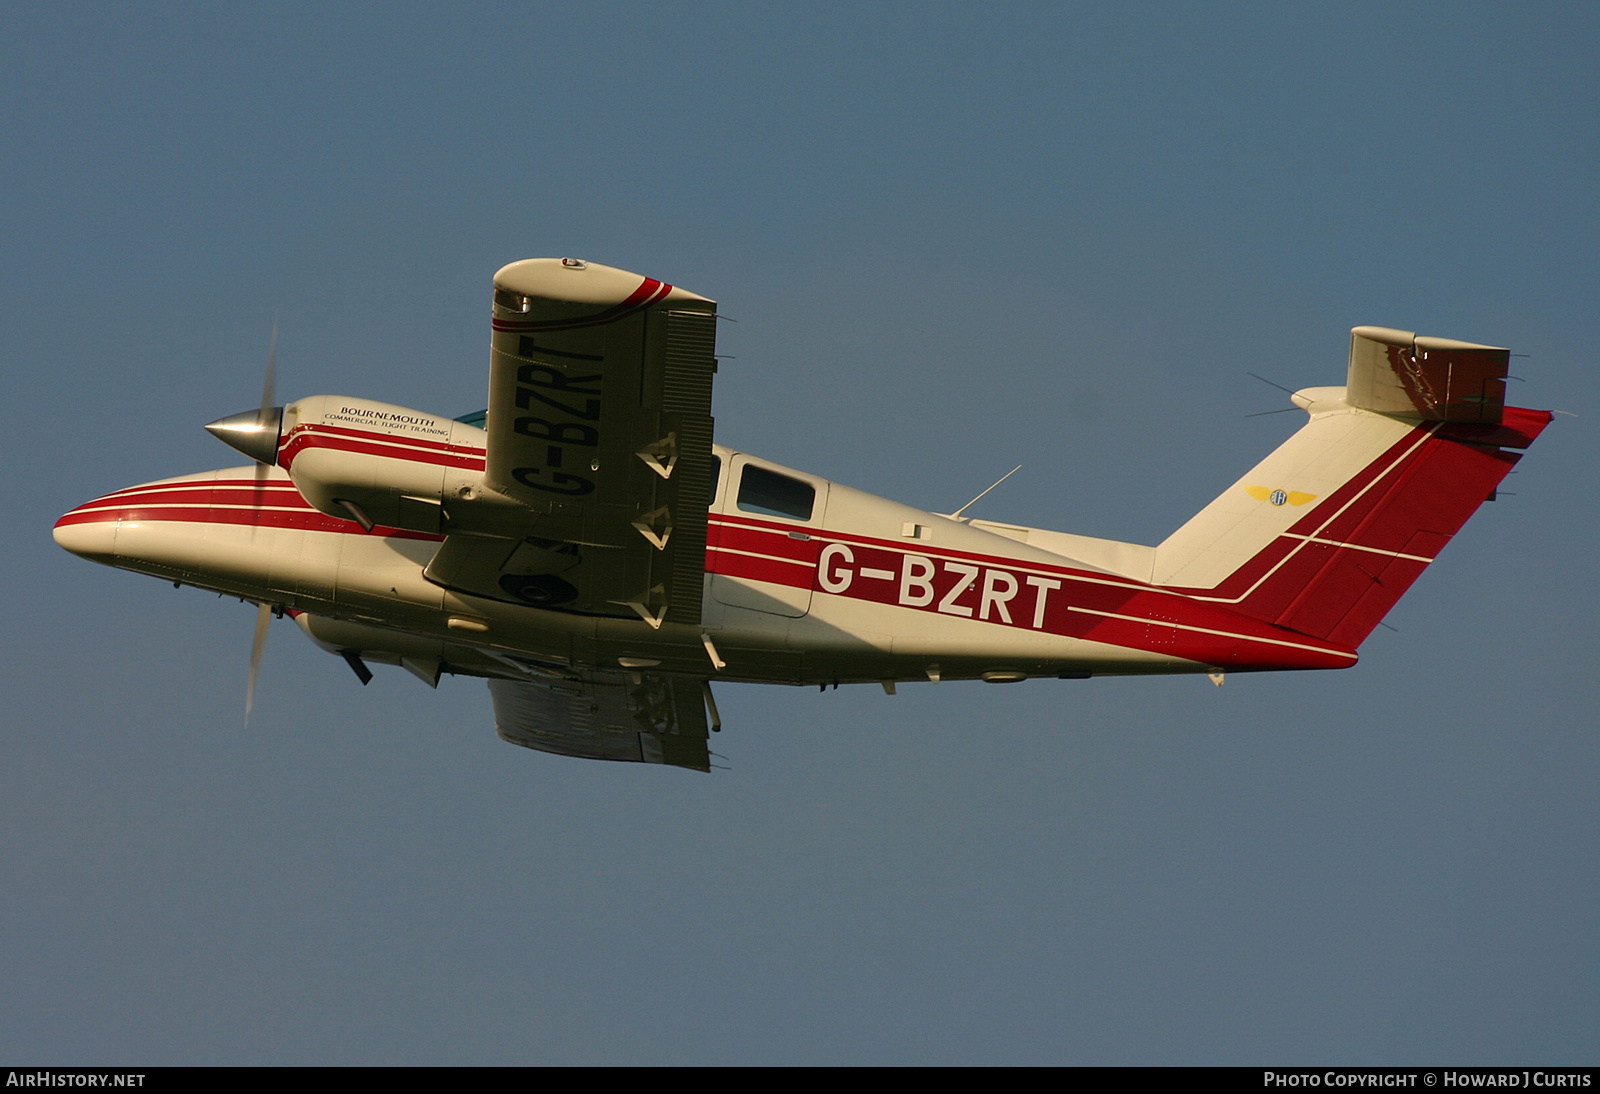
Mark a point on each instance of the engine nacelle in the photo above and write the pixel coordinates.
(424, 658)
(380, 464)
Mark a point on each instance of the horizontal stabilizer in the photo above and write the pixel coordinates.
(1436, 379)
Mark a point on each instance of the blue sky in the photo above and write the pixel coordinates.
(956, 238)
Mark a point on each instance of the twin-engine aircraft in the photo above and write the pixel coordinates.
(586, 546)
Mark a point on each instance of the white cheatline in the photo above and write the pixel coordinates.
(1357, 496)
(769, 558)
(1208, 630)
(1358, 547)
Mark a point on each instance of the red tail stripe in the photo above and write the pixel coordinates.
(1519, 427)
(1332, 518)
(1419, 511)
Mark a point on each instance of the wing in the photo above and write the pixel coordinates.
(599, 425)
(606, 716)
(1436, 379)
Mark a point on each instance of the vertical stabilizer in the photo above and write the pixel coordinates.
(1327, 532)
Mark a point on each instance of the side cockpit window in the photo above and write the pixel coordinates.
(716, 478)
(763, 491)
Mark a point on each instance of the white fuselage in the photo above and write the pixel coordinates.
(861, 589)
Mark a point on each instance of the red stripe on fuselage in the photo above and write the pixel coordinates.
(723, 525)
(306, 437)
(309, 520)
(199, 485)
(270, 503)
(391, 438)
(997, 589)
(206, 494)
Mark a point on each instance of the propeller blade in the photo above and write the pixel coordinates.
(269, 386)
(256, 432)
(257, 648)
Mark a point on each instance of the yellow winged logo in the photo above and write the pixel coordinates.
(1279, 496)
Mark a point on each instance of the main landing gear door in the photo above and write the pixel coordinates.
(762, 555)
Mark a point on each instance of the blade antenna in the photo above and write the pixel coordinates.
(257, 647)
(957, 514)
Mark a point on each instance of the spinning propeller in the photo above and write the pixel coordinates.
(255, 433)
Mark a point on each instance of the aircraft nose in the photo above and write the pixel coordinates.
(88, 534)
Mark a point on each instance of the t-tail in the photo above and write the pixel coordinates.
(1326, 533)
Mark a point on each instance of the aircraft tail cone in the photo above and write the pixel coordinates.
(255, 433)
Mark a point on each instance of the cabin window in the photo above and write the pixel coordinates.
(763, 491)
(716, 477)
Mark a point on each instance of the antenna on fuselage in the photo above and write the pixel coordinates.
(957, 514)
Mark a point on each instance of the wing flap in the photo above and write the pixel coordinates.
(607, 716)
